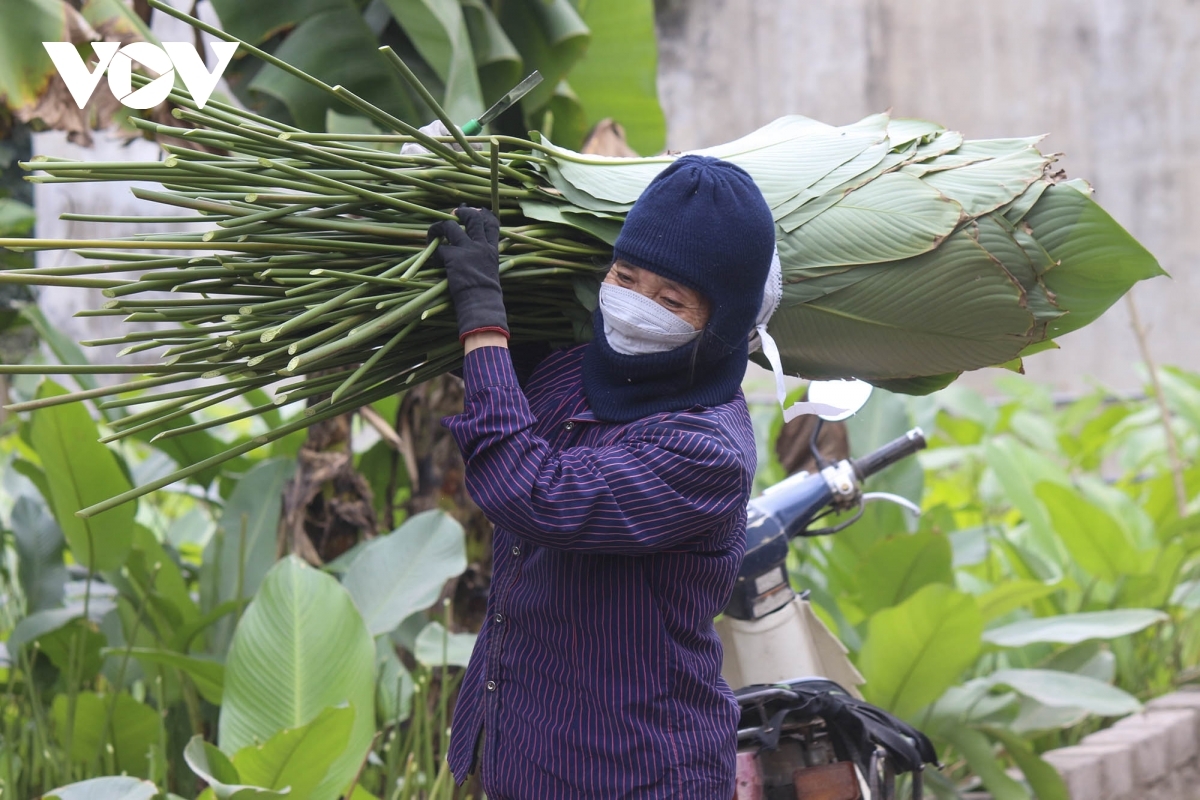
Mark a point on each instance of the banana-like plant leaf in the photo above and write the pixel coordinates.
(551, 38)
(986, 185)
(1045, 781)
(404, 571)
(393, 684)
(186, 449)
(39, 544)
(297, 759)
(158, 579)
(300, 648)
(563, 116)
(1097, 260)
(980, 754)
(1066, 690)
(895, 216)
(438, 31)
(885, 328)
(116, 20)
(1019, 469)
(38, 624)
(916, 650)
(616, 77)
(64, 349)
(26, 68)
(242, 550)
(258, 22)
(208, 676)
(322, 33)
(1011, 595)
(1075, 628)
(1085, 659)
(214, 768)
(16, 218)
(111, 787)
(496, 58)
(1091, 536)
(894, 569)
(82, 472)
(135, 728)
(436, 647)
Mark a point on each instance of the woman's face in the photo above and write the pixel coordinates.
(682, 301)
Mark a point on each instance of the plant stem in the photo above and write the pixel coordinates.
(1139, 332)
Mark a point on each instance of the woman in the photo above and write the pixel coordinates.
(617, 481)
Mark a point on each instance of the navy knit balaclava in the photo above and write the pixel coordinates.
(703, 223)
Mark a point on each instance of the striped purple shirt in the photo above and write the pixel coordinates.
(597, 672)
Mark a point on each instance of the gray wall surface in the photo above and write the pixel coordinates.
(1114, 83)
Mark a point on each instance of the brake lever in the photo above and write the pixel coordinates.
(893, 498)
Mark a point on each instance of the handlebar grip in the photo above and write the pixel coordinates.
(890, 453)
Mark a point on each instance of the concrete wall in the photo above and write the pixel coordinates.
(1113, 81)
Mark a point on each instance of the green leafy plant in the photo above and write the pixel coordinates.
(1048, 586)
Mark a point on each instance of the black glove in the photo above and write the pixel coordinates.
(472, 262)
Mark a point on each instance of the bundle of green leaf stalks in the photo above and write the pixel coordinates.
(909, 255)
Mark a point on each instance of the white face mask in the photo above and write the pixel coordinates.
(636, 325)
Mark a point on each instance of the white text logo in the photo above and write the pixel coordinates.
(118, 61)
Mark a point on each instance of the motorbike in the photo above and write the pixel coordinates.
(805, 732)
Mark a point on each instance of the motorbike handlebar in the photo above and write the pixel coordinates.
(889, 454)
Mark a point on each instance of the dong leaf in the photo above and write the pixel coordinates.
(107, 788)
(135, 729)
(26, 68)
(1074, 628)
(297, 759)
(39, 545)
(896, 568)
(1011, 595)
(980, 755)
(438, 30)
(208, 676)
(318, 45)
(214, 768)
(300, 648)
(893, 217)
(1095, 540)
(617, 75)
(1097, 260)
(405, 570)
(551, 38)
(985, 185)
(916, 650)
(1045, 781)
(243, 548)
(436, 647)
(1065, 690)
(82, 472)
(880, 321)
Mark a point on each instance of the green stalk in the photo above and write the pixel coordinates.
(368, 331)
(370, 363)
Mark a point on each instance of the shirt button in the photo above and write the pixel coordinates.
(499, 618)
(516, 551)
(491, 686)
(569, 425)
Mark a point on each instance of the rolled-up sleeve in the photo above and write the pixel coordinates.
(672, 482)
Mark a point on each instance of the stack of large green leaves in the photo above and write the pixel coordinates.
(909, 254)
